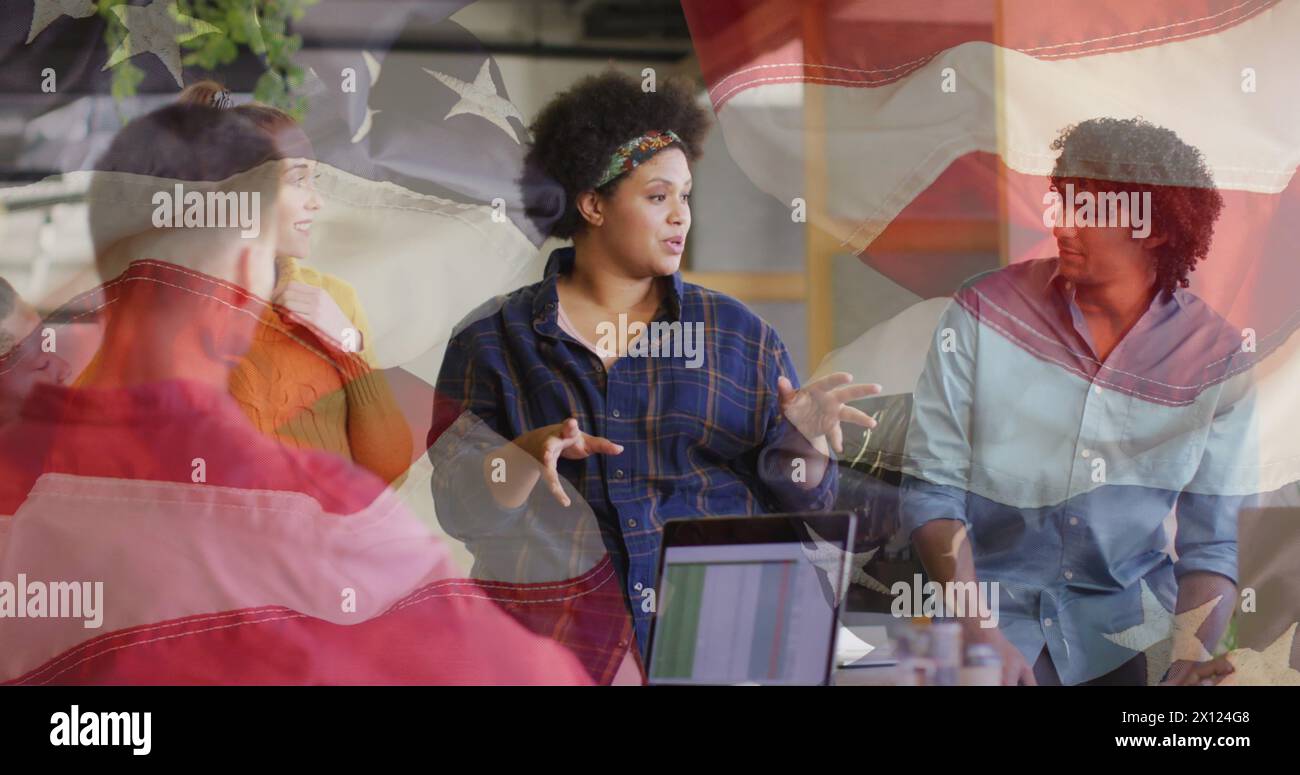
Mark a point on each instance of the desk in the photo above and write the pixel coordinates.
(865, 676)
(863, 634)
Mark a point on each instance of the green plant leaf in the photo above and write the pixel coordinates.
(226, 51)
(258, 26)
(235, 24)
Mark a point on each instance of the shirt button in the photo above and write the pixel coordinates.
(618, 474)
(622, 644)
(1069, 575)
(1096, 389)
(631, 523)
(1047, 622)
(615, 413)
(1086, 452)
(1074, 520)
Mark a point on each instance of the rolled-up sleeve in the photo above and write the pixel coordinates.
(783, 444)
(937, 454)
(1226, 481)
(465, 413)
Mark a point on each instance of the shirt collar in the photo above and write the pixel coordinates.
(547, 300)
(1067, 291)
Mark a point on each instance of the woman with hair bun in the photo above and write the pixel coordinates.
(649, 397)
(307, 396)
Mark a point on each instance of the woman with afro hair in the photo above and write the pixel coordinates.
(645, 427)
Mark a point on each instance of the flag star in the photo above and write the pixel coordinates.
(1186, 646)
(364, 128)
(958, 539)
(858, 564)
(480, 98)
(1270, 667)
(828, 558)
(1163, 637)
(373, 67)
(866, 439)
(46, 11)
(157, 28)
(311, 82)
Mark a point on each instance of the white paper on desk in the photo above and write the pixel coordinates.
(850, 648)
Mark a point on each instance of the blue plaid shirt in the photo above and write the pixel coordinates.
(706, 441)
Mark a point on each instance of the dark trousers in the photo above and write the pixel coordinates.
(1131, 673)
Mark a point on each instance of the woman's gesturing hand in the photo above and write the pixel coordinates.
(549, 443)
(318, 308)
(817, 408)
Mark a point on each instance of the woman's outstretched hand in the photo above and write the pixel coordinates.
(817, 408)
(548, 444)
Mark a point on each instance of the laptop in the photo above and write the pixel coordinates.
(750, 600)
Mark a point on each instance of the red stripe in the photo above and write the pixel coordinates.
(423, 639)
(444, 640)
(774, 656)
(1249, 277)
(747, 43)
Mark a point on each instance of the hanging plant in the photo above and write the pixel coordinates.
(258, 26)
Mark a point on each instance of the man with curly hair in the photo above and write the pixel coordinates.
(637, 432)
(1107, 155)
(1068, 405)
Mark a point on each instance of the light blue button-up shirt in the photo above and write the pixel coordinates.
(1064, 469)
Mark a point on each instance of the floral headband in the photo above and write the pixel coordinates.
(637, 150)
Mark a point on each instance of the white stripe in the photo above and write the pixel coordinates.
(166, 550)
(887, 144)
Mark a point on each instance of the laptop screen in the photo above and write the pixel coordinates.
(742, 613)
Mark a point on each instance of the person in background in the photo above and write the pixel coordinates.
(24, 362)
(305, 395)
(223, 555)
(1069, 404)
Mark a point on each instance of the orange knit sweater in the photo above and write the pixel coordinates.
(308, 395)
